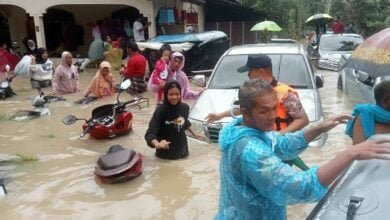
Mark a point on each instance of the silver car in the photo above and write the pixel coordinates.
(357, 81)
(290, 65)
(333, 46)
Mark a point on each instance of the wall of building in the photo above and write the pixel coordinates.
(86, 11)
(17, 18)
(85, 19)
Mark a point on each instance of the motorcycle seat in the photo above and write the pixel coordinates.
(117, 160)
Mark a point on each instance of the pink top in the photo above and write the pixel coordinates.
(180, 76)
(66, 78)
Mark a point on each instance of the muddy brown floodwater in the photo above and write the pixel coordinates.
(61, 184)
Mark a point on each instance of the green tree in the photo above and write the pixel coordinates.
(368, 16)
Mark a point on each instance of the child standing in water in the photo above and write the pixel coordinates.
(160, 72)
(167, 127)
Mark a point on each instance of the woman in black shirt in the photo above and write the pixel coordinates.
(167, 127)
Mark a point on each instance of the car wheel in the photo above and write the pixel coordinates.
(340, 83)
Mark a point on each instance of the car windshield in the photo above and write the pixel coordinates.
(340, 43)
(290, 69)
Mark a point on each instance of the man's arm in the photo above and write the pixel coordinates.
(325, 126)
(285, 185)
(296, 111)
(371, 149)
(216, 116)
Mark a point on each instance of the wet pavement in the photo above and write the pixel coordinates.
(61, 184)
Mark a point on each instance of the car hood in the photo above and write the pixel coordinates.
(334, 55)
(219, 100)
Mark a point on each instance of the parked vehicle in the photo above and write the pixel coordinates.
(110, 120)
(201, 50)
(290, 65)
(332, 46)
(5, 85)
(40, 104)
(365, 68)
(361, 192)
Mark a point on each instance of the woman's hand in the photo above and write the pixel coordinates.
(199, 136)
(163, 144)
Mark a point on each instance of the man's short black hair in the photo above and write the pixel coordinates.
(382, 91)
(133, 46)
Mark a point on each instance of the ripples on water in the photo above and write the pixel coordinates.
(61, 185)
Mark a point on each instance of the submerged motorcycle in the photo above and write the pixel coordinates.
(40, 103)
(5, 85)
(110, 120)
(118, 165)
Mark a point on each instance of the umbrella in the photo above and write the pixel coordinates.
(266, 26)
(373, 55)
(318, 19)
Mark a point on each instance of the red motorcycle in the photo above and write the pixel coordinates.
(110, 120)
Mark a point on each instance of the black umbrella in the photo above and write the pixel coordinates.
(318, 19)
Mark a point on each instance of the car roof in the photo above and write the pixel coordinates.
(270, 48)
(343, 34)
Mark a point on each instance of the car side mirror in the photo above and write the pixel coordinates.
(364, 78)
(199, 80)
(319, 80)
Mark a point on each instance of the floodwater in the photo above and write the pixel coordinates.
(61, 184)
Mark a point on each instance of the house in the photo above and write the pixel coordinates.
(46, 21)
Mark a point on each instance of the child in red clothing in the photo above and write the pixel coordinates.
(160, 72)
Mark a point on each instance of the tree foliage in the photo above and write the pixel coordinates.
(367, 16)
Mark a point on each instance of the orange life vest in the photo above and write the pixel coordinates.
(282, 118)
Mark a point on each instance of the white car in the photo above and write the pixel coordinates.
(290, 65)
(333, 46)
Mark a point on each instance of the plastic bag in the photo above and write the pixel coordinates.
(23, 67)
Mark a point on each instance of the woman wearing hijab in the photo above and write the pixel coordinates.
(167, 127)
(41, 69)
(175, 72)
(102, 83)
(66, 76)
(96, 49)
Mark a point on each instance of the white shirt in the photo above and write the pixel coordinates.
(41, 72)
(139, 34)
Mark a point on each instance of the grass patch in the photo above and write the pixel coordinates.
(49, 136)
(3, 117)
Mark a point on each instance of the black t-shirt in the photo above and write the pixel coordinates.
(170, 123)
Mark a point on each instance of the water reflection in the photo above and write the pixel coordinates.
(61, 185)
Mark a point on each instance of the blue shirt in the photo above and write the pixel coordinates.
(255, 183)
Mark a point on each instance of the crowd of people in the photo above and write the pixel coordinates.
(111, 39)
(257, 148)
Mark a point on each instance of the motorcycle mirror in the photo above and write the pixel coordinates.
(125, 84)
(7, 68)
(70, 119)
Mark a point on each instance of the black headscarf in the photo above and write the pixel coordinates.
(169, 85)
(38, 58)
